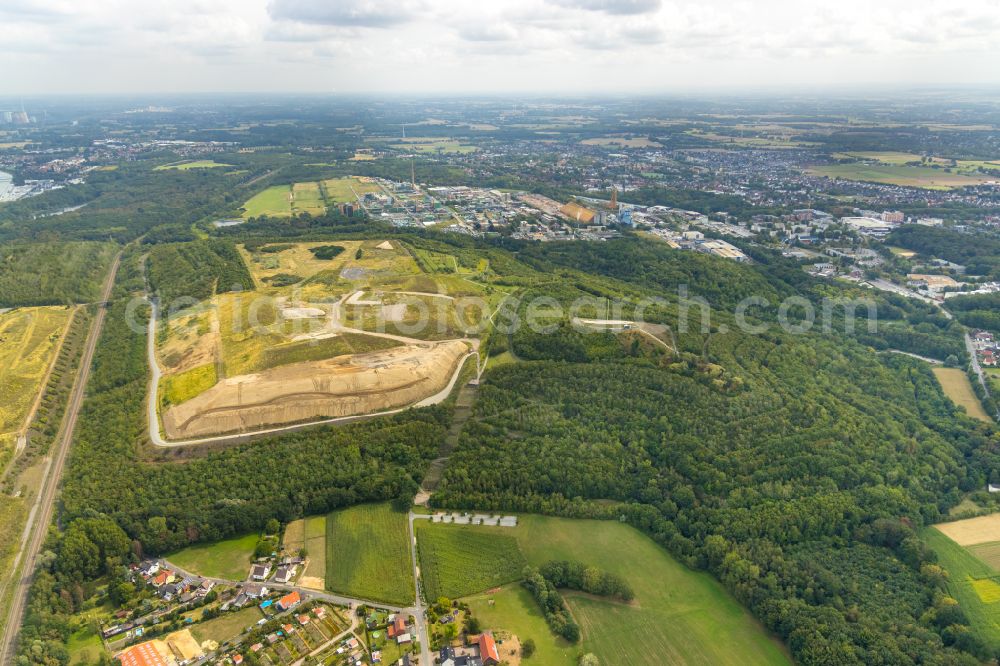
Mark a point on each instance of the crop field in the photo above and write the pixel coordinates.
(956, 386)
(973, 582)
(678, 616)
(972, 531)
(194, 164)
(343, 190)
(229, 559)
(430, 144)
(309, 534)
(307, 198)
(227, 626)
(29, 344)
(368, 554)
(908, 176)
(456, 560)
(777, 141)
(275, 201)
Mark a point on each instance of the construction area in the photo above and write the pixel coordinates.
(353, 329)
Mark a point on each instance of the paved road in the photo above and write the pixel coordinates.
(926, 359)
(418, 609)
(40, 515)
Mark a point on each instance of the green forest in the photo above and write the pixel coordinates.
(196, 270)
(52, 273)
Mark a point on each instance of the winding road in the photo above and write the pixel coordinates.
(40, 516)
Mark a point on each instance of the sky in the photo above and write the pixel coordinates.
(491, 46)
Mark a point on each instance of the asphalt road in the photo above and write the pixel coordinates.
(40, 515)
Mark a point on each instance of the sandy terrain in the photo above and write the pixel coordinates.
(340, 386)
(972, 531)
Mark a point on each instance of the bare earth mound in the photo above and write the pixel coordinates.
(340, 386)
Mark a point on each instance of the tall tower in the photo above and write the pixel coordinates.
(614, 198)
(413, 175)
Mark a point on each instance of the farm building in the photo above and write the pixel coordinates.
(488, 651)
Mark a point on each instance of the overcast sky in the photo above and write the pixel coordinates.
(475, 46)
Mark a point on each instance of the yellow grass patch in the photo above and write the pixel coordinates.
(956, 386)
(987, 590)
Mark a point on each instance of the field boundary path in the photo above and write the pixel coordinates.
(40, 515)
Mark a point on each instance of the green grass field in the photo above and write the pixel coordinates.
(84, 647)
(314, 350)
(189, 384)
(228, 559)
(679, 616)
(275, 201)
(513, 609)
(342, 190)
(187, 166)
(972, 582)
(307, 198)
(456, 561)
(227, 626)
(368, 554)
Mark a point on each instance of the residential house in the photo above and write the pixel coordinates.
(260, 572)
(284, 574)
(397, 626)
(488, 651)
(288, 601)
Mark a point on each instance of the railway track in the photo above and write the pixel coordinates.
(40, 515)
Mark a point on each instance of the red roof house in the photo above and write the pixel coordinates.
(488, 650)
(289, 600)
(398, 626)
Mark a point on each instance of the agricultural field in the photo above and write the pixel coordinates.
(275, 201)
(898, 159)
(677, 612)
(908, 176)
(29, 344)
(975, 583)
(347, 190)
(368, 554)
(955, 384)
(307, 198)
(229, 559)
(309, 534)
(428, 144)
(771, 142)
(194, 164)
(310, 197)
(621, 142)
(456, 561)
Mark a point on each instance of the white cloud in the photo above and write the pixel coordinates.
(461, 45)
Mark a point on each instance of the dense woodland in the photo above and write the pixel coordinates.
(196, 270)
(794, 467)
(979, 254)
(52, 273)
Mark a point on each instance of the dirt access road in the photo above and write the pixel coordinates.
(40, 515)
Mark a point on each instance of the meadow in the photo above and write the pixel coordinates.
(956, 386)
(679, 615)
(307, 198)
(972, 582)
(227, 626)
(275, 201)
(368, 554)
(456, 561)
(229, 559)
